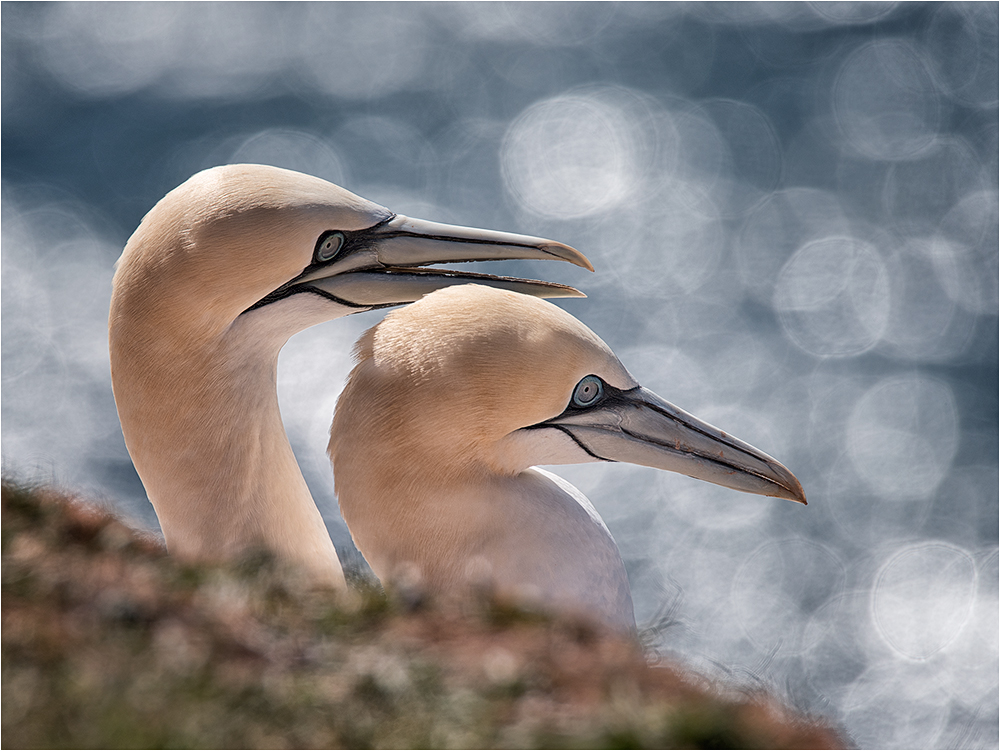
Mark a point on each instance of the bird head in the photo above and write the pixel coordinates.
(235, 240)
(488, 377)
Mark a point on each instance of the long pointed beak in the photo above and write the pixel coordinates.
(387, 271)
(638, 427)
(415, 242)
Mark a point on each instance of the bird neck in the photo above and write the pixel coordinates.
(530, 533)
(204, 431)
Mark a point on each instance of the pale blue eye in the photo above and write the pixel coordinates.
(330, 246)
(588, 391)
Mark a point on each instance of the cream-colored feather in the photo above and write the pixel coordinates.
(194, 380)
(432, 474)
(216, 278)
(452, 401)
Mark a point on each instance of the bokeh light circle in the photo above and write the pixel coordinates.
(782, 581)
(661, 246)
(832, 297)
(357, 54)
(902, 436)
(754, 164)
(962, 39)
(926, 323)
(108, 49)
(865, 516)
(292, 149)
(923, 597)
(909, 694)
(919, 193)
(965, 252)
(786, 221)
(571, 156)
(225, 55)
(541, 23)
(851, 12)
(885, 101)
(27, 314)
(972, 657)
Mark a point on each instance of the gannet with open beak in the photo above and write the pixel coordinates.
(219, 274)
(452, 401)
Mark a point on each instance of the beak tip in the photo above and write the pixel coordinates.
(798, 495)
(552, 290)
(795, 495)
(570, 254)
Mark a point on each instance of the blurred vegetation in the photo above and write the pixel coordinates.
(109, 643)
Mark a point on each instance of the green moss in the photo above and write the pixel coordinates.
(504, 614)
(705, 726)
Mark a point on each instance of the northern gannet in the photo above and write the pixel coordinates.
(217, 277)
(452, 401)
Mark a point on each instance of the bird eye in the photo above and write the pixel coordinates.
(588, 391)
(329, 246)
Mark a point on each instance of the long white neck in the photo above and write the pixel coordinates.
(205, 434)
(531, 534)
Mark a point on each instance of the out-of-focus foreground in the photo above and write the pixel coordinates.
(109, 643)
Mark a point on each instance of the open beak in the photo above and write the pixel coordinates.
(384, 268)
(638, 427)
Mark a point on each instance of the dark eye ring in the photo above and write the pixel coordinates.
(329, 246)
(588, 391)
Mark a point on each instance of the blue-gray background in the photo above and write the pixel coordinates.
(792, 209)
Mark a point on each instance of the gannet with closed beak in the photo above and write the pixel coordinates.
(452, 401)
(219, 274)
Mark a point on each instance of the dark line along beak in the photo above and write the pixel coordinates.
(638, 427)
(386, 271)
(393, 286)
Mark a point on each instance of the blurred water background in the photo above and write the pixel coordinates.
(792, 209)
